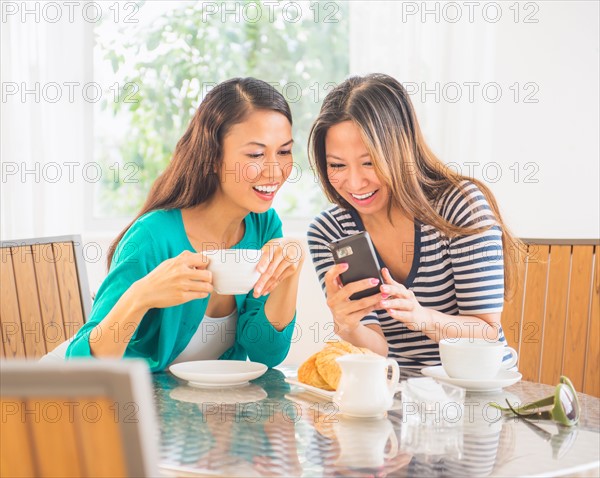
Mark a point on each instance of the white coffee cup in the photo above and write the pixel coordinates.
(233, 270)
(475, 359)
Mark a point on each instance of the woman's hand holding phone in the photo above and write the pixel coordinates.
(402, 304)
(348, 313)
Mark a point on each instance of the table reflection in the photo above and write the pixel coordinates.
(269, 428)
(243, 431)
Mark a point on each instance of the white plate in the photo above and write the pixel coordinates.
(224, 396)
(504, 378)
(309, 388)
(318, 391)
(218, 373)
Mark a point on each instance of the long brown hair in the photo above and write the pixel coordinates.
(193, 174)
(381, 108)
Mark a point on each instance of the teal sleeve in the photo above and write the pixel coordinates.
(133, 259)
(262, 342)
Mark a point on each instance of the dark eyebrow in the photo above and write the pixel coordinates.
(340, 159)
(264, 145)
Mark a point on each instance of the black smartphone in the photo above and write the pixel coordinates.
(358, 252)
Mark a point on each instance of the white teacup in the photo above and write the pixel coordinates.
(233, 270)
(474, 359)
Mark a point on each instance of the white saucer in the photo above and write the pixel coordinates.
(504, 378)
(224, 396)
(309, 388)
(318, 391)
(218, 373)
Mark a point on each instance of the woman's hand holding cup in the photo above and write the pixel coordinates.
(281, 258)
(175, 281)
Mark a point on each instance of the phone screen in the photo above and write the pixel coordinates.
(358, 252)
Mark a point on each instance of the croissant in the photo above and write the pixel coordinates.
(321, 369)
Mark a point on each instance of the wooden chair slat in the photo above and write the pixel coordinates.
(2, 355)
(556, 312)
(44, 298)
(68, 286)
(45, 273)
(577, 314)
(533, 314)
(54, 437)
(16, 459)
(591, 379)
(100, 437)
(29, 302)
(10, 317)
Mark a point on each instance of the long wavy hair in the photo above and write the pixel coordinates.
(417, 180)
(193, 174)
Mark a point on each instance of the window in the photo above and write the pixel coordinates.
(160, 58)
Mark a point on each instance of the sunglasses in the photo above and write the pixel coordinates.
(565, 406)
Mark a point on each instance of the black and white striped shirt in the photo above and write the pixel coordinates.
(459, 276)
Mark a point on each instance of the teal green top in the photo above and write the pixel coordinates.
(164, 333)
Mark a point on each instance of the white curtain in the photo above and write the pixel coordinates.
(45, 122)
(536, 146)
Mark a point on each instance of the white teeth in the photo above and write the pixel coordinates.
(363, 196)
(266, 189)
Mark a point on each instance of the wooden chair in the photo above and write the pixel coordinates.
(553, 319)
(77, 418)
(45, 297)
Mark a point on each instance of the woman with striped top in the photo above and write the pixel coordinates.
(439, 236)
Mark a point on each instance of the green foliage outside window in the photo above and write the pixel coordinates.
(163, 69)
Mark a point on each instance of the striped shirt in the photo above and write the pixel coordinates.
(458, 276)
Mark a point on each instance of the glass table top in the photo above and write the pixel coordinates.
(271, 428)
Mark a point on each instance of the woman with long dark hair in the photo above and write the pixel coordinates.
(439, 236)
(218, 189)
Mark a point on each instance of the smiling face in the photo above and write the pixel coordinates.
(351, 172)
(257, 160)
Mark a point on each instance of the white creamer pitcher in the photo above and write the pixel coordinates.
(363, 442)
(364, 389)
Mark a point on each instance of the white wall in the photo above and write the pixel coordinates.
(554, 139)
(560, 133)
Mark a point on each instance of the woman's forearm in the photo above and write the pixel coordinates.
(280, 306)
(111, 336)
(443, 326)
(364, 336)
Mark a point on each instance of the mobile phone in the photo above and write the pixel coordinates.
(358, 252)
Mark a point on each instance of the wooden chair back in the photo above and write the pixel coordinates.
(44, 298)
(77, 418)
(553, 318)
